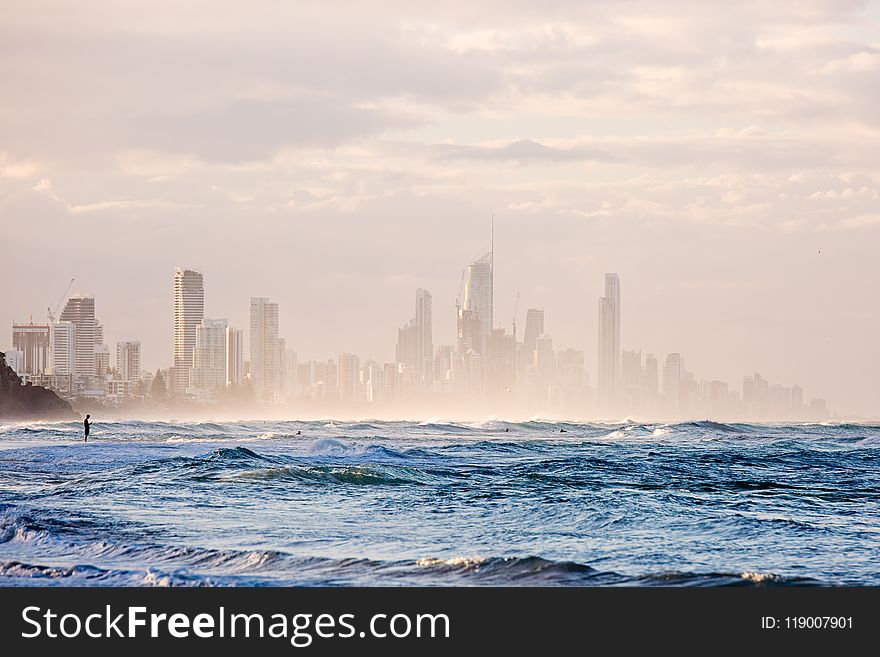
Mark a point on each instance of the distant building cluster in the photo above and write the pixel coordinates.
(486, 368)
(68, 354)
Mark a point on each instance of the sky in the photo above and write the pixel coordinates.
(721, 157)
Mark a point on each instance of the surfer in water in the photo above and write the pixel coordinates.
(86, 426)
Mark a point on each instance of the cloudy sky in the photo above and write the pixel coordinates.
(723, 158)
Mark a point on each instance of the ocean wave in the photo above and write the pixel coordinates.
(73, 558)
(235, 454)
(336, 447)
(513, 570)
(357, 475)
(86, 575)
(447, 427)
(744, 578)
(395, 503)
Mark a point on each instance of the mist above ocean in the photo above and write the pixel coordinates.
(401, 503)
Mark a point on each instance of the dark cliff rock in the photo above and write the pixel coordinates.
(29, 402)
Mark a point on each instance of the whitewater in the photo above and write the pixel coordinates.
(371, 503)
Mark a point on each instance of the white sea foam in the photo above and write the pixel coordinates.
(152, 578)
(458, 562)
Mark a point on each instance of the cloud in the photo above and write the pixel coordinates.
(279, 144)
(522, 151)
(256, 130)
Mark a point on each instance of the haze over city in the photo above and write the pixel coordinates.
(720, 159)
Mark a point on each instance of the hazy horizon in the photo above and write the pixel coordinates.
(721, 159)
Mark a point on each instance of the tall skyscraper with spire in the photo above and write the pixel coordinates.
(478, 293)
(474, 323)
(189, 311)
(609, 345)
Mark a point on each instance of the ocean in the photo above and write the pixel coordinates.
(439, 504)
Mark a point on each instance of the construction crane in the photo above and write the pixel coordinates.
(52, 311)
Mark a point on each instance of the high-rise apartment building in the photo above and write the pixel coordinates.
(673, 373)
(234, 356)
(289, 366)
(407, 344)
(349, 377)
(189, 311)
(467, 331)
(209, 355)
(609, 345)
(80, 311)
(63, 361)
(501, 361)
(265, 349)
(32, 340)
(478, 298)
(534, 328)
(415, 347)
(128, 361)
(444, 356)
(424, 337)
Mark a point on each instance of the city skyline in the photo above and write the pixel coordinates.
(487, 367)
(721, 159)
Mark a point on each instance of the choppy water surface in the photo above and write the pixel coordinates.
(493, 503)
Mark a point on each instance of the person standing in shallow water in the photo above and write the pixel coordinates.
(86, 426)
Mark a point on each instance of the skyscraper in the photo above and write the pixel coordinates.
(209, 355)
(234, 356)
(424, 336)
(189, 311)
(534, 328)
(80, 311)
(443, 361)
(414, 339)
(289, 365)
(609, 344)
(407, 344)
(32, 340)
(478, 298)
(349, 371)
(63, 361)
(265, 349)
(128, 361)
(501, 361)
(673, 370)
(467, 331)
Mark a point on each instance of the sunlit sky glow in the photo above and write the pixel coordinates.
(722, 157)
